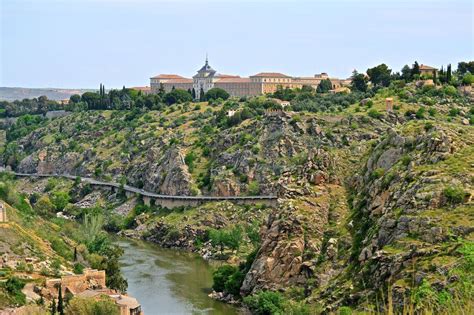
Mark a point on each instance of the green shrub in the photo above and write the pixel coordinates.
(234, 282)
(344, 310)
(265, 302)
(78, 268)
(377, 173)
(14, 286)
(453, 112)
(420, 113)
(428, 126)
(454, 194)
(253, 188)
(374, 113)
(221, 275)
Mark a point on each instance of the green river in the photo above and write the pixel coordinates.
(167, 281)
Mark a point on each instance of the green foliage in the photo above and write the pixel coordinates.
(189, 160)
(455, 194)
(358, 82)
(420, 113)
(324, 86)
(216, 93)
(78, 268)
(13, 287)
(226, 238)
(379, 75)
(177, 96)
(44, 206)
(377, 173)
(265, 303)
(83, 306)
(60, 199)
(221, 276)
(253, 188)
(374, 113)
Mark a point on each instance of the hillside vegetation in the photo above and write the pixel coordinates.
(375, 208)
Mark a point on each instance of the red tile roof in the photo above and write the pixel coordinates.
(233, 80)
(271, 75)
(167, 76)
(141, 88)
(227, 76)
(425, 67)
(180, 80)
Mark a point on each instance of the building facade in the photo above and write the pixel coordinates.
(258, 84)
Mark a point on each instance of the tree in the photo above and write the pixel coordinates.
(307, 88)
(448, 73)
(406, 73)
(177, 96)
(468, 79)
(324, 86)
(76, 98)
(215, 93)
(416, 69)
(193, 93)
(379, 75)
(60, 199)
(60, 301)
(44, 206)
(358, 82)
(435, 77)
(202, 95)
(53, 307)
(464, 67)
(161, 90)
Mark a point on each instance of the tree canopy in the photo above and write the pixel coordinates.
(215, 93)
(379, 75)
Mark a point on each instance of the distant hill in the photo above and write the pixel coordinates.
(18, 93)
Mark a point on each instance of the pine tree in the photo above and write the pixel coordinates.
(53, 307)
(60, 301)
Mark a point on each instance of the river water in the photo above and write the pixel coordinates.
(167, 281)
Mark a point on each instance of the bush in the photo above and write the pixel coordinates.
(78, 268)
(104, 305)
(377, 173)
(14, 286)
(253, 188)
(221, 275)
(374, 113)
(420, 113)
(265, 302)
(455, 194)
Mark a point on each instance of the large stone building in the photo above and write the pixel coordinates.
(261, 83)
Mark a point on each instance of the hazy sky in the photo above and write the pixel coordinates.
(74, 43)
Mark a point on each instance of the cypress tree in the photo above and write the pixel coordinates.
(53, 307)
(193, 93)
(448, 73)
(416, 69)
(75, 253)
(435, 78)
(60, 301)
(202, 96)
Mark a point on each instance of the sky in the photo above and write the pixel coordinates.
(80, 44)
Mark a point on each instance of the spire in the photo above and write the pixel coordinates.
(206, 59)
